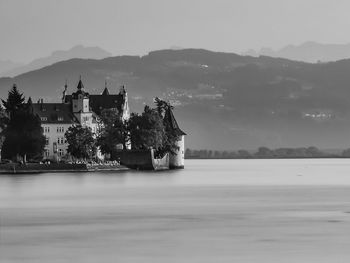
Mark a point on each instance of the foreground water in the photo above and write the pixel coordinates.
(213, 211)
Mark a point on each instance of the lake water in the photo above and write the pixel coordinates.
(212, 211)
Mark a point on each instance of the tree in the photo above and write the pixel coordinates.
(170, 136)
(113, 132)
(243, 154)
(14, 102)
(188, 153)
(264, 152)
(23, 132)
(3, 123)
(346, 153)
(162, 106)
(81, 143)
(146, 130)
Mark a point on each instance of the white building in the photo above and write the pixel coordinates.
(78, 108)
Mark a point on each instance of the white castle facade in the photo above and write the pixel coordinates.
(78, 108)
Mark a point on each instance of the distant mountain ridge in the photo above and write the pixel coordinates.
(78, 51)
(223, 101)
(311, 52)
(7, 65)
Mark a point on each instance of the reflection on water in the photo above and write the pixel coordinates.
(213, 211)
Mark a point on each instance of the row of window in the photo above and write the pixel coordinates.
(60, 152)
(60, 140)
(59, 129)
(60, 118)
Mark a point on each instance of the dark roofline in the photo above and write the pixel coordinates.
(170, 119)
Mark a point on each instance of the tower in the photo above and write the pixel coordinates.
(177, 159)
(125, 105)
(80, 105)
(64, 93)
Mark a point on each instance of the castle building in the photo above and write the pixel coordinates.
(78, 108)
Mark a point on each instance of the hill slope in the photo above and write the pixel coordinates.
(224, 101)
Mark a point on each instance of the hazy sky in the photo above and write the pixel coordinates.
(34, 28)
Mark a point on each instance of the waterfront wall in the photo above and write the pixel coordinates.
(177, 160)
(142, 160)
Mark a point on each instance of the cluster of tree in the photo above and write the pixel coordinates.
(262, 152)
(3, 120)
(346, 153)
(21, 130)
(142, 131)
(151, 129)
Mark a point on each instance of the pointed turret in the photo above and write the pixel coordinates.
(105, 91)
(80, 84)
(64, 93)
(177, 159)
(80, 99)
(30, 105)
(170, 119)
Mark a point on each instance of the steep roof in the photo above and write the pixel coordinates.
(105, 91)
(101, 102)
(104, 101)
(80, 85)
(170, 119)
(80, 90)
(54, 113)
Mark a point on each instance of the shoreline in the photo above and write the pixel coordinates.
(57, 168)
(270, 158)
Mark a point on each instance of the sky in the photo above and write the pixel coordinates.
(31, 29)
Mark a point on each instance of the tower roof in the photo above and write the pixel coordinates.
(80, 90)
(105, 91)
(80, 85)
(170, 119)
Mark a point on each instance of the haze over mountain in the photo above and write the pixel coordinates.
(78, 51)
(7, 65)
(308, 52)
(223, 101)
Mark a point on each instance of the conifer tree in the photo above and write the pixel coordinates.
(170, 135)
(23, 132)
(15, 100)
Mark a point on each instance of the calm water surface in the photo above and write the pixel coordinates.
(213, 211)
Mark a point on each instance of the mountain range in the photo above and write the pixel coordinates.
(7, 65)
(12, 69)
(311, 52)
(223, 101)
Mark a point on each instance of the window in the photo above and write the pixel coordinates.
(60, 152)
(46, 129)
(47, 153)
(43, 118)
(60, 118)
(60, 129)
(47, 141)
(85, 119)
(60, 140)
